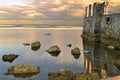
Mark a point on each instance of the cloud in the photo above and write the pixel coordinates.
(59, 10)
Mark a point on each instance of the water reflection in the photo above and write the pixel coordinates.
(76, 56)
(99, 59)
(54, 54)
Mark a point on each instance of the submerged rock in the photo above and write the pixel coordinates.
(22, 70)
(76, 52)
(26, 44)
(47, 34)
(35, 45)
(9, 57)
(54, 50)
(117, 64)
(61, 75)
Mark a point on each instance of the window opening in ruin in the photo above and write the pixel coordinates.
(107, 20)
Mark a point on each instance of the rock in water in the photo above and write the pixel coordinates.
(54, 50)
(86, 76)
(9, 57)
(35, 45)
(26, 44)
(61, 75)
(23, 70)
(69, 45)
(76, 52)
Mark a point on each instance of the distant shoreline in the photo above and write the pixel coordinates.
(30, 28)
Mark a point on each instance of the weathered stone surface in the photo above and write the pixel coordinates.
(35, 45)
(61, 75)
(117, 64)
(54, 50)
(9, 57)
(68, 75)
(75, 51)
(22, 70)
(86, 76)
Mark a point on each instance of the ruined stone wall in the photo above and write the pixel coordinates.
(110, 26)
(107, 26)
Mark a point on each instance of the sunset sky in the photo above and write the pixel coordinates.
(48, 11)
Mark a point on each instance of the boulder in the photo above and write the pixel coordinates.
(23, 70)
(76, 52)
(61, 75)
(9, 57)
(54, 50)
(117, 64)
(35, 45)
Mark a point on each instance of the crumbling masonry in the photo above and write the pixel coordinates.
(98, 22)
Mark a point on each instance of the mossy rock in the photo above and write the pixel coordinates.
(86, 76)
(75, 51)
(23, 70)
(61, 75)
(54, 50)
(35, 45)
(9, 57)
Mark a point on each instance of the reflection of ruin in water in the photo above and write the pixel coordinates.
(99, 59)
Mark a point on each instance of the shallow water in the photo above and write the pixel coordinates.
(11, 42)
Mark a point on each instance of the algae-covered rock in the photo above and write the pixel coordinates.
(9, 57)
(76, 52)
(117, 64)
(35, 45)
(61, 75)
(22, 70)
(86, 76)
(54, 50)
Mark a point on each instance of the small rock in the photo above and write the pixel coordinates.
(54, 49)
(69, 45)
(26, 44)
(61, 75)
(9, 57)
(35, 45)
(75, 51)
(47, 34)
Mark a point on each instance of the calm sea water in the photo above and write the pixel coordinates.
(11, 43)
